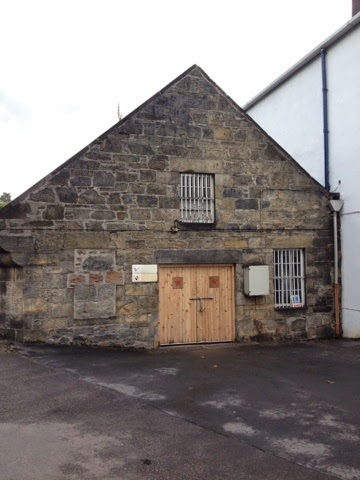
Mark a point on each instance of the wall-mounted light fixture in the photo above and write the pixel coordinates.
(175, 228)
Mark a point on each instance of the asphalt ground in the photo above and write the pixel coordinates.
(226, 411)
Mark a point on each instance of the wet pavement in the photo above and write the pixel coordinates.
(226, 411)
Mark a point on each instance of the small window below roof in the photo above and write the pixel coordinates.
(197, 198)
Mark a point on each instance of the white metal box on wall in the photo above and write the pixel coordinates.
(256, 280)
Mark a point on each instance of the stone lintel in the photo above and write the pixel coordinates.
(197, 256)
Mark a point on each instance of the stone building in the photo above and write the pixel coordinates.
(185, 222)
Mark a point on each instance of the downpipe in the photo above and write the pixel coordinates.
(336, 206)
(325, 119)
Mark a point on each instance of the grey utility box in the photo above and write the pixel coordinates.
(256, 280)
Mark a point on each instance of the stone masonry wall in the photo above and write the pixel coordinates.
(72, 238)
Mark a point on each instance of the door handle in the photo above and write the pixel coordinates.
(201, 301)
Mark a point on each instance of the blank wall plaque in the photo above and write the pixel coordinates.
(144, 277)
(144, 269)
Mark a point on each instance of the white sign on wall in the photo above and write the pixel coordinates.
(144, 273)
(144, 277)
(144, 269)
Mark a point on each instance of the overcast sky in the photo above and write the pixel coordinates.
(66, 65)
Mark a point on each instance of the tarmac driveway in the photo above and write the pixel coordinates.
(206, 412)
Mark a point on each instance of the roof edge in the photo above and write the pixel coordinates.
(355, 20)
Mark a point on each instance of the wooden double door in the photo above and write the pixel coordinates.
(196, 304)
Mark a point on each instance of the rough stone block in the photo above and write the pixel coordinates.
(149, 201)
(93, 260)
(53, 212)
(96, 278)
(222, 133)
(233, 192)
(20, 210)
(62, 310)
(81, 213)
(116, 277)
(140, 214)
(138, 289)
(75, 279)
(297, 324)
(131, 127)
(105, 292)
(158, 162)
(119, 240)
(127, 177)
(67, 194)
(51, 323)
(157, 189)
(235, 243)
(289, 241)
(91, 197)
(87, 240)
(127, 307)
(102, 215)
(84, 292)
(32, 336)
(34, 306)
(139, 148)
(46, 195)
(256, 242)
(103, 179)
(147, 176)
(216, 118)
(91, 309)
(247, 204)
(60, 178)
(80, 181)
(169, 203)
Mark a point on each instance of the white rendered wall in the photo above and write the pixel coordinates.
(350, 225)
(343, 68)
(292, 115)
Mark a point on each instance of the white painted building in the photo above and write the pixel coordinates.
(291, 110)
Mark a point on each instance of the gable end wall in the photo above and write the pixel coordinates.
(67, 247)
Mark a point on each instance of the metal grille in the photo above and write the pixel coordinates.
(197, 198)
(289, 280)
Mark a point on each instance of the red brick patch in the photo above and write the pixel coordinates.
(76, 279)
(114, 277)
(96, 277)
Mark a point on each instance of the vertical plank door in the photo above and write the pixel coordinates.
(176, 311)
(215, 323)
(183, 318)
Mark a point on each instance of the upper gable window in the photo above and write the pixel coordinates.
(197, 198)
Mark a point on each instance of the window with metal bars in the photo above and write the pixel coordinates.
(289, 278)
(197, 198)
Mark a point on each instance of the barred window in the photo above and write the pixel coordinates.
(197, 198)
(289, 279)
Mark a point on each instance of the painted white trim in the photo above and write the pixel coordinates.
(353, 22)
